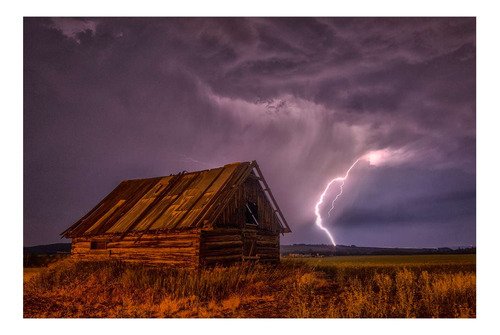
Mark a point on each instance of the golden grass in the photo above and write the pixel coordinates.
(291, 289)
(29, 273)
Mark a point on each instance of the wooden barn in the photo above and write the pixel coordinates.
(222, 215)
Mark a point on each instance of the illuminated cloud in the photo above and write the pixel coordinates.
(122, 98)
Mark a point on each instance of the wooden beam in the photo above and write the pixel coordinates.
(273, 200)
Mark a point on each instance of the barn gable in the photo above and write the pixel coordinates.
(178, 202)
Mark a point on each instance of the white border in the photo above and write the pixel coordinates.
(487, 187)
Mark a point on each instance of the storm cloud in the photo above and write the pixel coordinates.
(108, 99)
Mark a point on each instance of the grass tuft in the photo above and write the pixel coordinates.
(332, 289)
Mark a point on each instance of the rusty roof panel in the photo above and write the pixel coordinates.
(163, 203)
(105, 217)
(210, 181)
(131, 196)
(206, 182)
(127, 220)
(127, 196)
(133, 217)
(121, 192)
(209, 192)
(168, 203)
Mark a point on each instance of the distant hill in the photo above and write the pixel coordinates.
(299, 250)
(295, 250)
(48, 249)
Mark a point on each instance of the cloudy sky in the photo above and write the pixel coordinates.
(113, 99)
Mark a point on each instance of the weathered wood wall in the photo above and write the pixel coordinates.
(221, 246)
(268, 246)
(233, 240)
(230, 240)
(179, 248)
(227, 245)
(234, 214)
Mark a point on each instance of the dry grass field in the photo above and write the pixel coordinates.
(29, 273)
(334, 287)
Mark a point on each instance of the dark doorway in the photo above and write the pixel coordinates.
(249, 246)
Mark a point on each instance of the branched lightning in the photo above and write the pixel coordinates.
(319, 221)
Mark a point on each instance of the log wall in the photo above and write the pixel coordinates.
(268, 246)
(233, 240)
(180, 248)
(231, 245)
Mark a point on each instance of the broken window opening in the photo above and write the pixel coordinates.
(251, 213)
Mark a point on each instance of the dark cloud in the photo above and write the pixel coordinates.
(112, 99)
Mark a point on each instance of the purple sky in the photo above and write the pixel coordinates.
(113, 99)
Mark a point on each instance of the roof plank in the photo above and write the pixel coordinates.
(185, 200)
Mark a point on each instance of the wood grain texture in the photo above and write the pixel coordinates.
(187, 220)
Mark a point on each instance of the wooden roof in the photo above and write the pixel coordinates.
(185, 200)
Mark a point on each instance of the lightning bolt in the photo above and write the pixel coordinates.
(319, 220)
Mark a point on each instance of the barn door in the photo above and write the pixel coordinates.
(249, 246)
